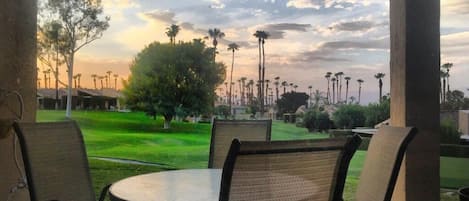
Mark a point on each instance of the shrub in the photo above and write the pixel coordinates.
(376, 113)
(316, 121)
(222, 111)
(349, 116)
(448, 132)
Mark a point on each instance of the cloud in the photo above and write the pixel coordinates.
(302, 4)
(318, 4)
(370, 44)
(361, 25)
(277, 31)
(455, 6)
(330, 51)
(165, 16)
(122, 4)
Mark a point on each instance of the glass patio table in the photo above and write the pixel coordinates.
(177, 185)
(183, 185)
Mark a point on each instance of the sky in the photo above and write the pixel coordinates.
(307, 38)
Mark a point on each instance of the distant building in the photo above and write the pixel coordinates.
(82, 99)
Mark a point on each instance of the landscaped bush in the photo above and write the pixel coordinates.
(449, 133)
(376, 113)
(454, 150)
(316, 121)
(349, 116)
(222, 111)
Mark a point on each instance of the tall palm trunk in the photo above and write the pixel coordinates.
(346, 92)
(337, 91)
(260, 71)
(94, 80)
(328, 95)
(444, 90)
(380, 90)
(231, 80)
(340, 89)
(263, 79)
(276, 91)
(333, 92)
(359, 92)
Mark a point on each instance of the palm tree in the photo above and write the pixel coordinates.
(277, 82)
(75, 77)
(226, 92)
(380, 77)
(333, 79)
(284, 84)
(172, 31)
(310, 94)
(261, 36)
(243, 92)
(294, 87)
(108, 78)
(291, 86)
(79, 77)
(347, 79)
(115, 81)
(339, 87)
(328, 78)
(94, 76)
(232, 47)
(447, 66)
(101, 79)
(444, 77)
(337, 77)
(48, 76)
(45, 78)
(266, 90)
(251, 90)
(360, 81)
(317, 97)
(215, 34)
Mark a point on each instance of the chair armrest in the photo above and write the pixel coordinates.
(104, 192)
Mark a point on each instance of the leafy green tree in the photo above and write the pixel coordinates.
(291, 101)
(82, 23)
(455, 100)
(169, 76)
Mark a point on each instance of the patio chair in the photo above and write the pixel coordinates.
(55, 161)
(306, 170)
(382, 163)
(224, 131)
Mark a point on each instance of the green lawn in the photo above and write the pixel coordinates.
(186, 145)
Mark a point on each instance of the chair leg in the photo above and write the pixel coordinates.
(104, 192)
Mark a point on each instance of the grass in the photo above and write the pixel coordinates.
(138, 137)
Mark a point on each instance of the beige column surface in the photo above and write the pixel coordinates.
(415, 61)
(17, 73)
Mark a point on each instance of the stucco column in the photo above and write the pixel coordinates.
(17, 73)
(415, 53)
